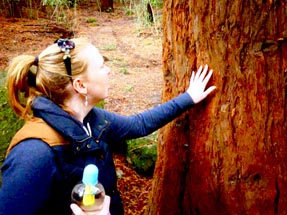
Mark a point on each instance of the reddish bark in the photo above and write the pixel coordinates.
(228, 154)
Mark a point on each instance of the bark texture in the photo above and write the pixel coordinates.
(228, 155)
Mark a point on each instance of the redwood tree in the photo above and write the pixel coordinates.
(227, 155)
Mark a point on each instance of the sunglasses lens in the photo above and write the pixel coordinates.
(70, 44)
(66, 46)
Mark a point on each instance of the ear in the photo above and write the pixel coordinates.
(79, 86)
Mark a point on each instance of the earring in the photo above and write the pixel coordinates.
(86, 100)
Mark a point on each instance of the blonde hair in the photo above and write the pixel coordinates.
(50, 79)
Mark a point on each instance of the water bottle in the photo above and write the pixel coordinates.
(89, 194)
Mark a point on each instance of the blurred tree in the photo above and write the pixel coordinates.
(14, 8)
(228, 154)
(150, 15)
(107, 6)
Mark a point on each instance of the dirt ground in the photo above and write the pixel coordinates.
(134, 55)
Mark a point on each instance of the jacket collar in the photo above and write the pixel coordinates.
(60, 120)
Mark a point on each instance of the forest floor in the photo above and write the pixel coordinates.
(134, 55)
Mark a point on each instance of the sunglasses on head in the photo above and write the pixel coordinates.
(65, 46)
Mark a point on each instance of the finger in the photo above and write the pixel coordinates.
(107, 202)
(198, 73)
(206, 79)
(205, 94)
(202, 75)
(106, 206)
(192, 77)
(76, 209)
(209, 90)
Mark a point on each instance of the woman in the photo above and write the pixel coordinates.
(64, 131)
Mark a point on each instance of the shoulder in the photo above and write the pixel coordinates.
(29, 172)
(31, 162)
(96, 111)
(101, 115)
(34, 152)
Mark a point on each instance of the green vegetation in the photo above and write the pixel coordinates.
(108, 47)
(120, 62)
(129, 88)
(101, 104)
(61, 12)
(124, 71)
(142, 154)
(146, 12)
(9, 122)
(64, 12)
(92, 20)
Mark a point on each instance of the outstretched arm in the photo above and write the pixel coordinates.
(142, 124)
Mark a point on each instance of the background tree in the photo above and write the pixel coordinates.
(107, 5)
(228, 155)
(14, 7)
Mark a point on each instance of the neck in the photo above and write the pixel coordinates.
(79, 110)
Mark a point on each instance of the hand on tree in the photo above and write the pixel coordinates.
(197, 84)
(105, 211)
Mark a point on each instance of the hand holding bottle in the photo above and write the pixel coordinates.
(89, 195)
(105, 211)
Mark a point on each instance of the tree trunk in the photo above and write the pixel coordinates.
(107, 6)
(15, 8)
(227, 155)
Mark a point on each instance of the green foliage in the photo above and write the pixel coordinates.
(129, 12)
(142, 154)
(18, 8)
(9, 122)
(147, 13)
(156, 3)
(91, 20)
(57, 3)
(59, 10)
(101, 104)
(124, 71)
(108, 47)
(129, 88)
(120, 62)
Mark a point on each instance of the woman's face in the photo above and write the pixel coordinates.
(97, 75)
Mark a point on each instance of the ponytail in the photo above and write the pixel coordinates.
(50, 79)
(20, 81)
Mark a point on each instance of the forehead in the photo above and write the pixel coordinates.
(92, 55)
